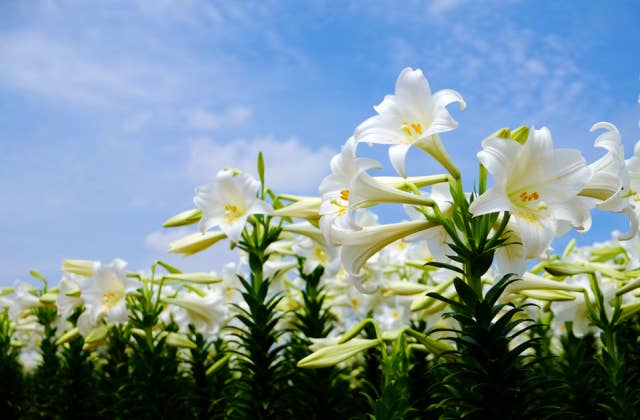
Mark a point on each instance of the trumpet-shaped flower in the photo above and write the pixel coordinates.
(538, 185)
(105, 295)
(228, 202)
(207, 313)
(335, 189)
(413, 116)
(360, 245)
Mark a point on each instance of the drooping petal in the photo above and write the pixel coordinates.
(493, 200)
(536, 233)
(397, 155)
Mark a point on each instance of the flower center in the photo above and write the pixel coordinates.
(526, 197)
(320, 255)
(344, 194)
(231, 212)
(111, 298)
(411, 130)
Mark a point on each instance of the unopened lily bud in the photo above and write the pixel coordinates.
(196, 242)
(185, 218)
(332, 355)
(48, 298)
(562, 269)
(179, 340)
(200, 278)
(306, 208)
(548, 295)
(80, 267)
(218, 365)
(405, 288)
(606, 253)
(70, 335)
(98, 334)
(520, 134)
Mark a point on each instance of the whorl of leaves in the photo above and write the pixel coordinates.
(316, 393)
(260, 377)
(11, 379)
(489, 377)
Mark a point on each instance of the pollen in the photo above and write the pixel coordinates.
(344, 194)
(229, 208)
(526, 196)
(411, 130)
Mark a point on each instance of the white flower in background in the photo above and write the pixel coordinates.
(105, 294)
(609, 188)
(69, 297)
(360, 245)
(228, 201)
(437, 238)
(392, 316)
(207, 313)
(316, 254)
(24, 300)
(335, 188)
(413, 116)
(539, 186)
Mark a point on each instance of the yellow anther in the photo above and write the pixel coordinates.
(344, 194)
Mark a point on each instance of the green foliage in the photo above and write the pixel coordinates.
(11, 376)
(489, 377)
(262, 379)
(316, 393)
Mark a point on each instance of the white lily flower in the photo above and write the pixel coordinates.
(335, 188)
(437, 238)
(538, 185)
(609, 185)
(360, 245)
(105, 294)
(228, 202)
(69, 298)
(367, 191)
(24, 300)
(413, 116)
(208, 313)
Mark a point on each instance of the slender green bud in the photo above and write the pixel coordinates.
(332, 355)
(196, 242)
(80, 267)
(98, 334)
(405, 288)
(200, 278)
(306, 208)
(179, 340)
(218, 365)
(48, 298)
(520, 134)
(70, 335)
(187, 217)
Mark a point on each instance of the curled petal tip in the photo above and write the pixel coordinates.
(356, 279)
(633, 229)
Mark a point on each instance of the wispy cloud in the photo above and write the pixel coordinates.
(201, 119)
(137, 121)
(37, 64)
(291, 166)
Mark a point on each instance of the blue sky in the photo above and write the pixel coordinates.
(112, 112)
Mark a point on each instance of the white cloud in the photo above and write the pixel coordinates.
(201, 119)
(437, 8)
(35, 63)
(137, 121)
(291, 166)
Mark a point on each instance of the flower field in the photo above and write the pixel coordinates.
(461, 309)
